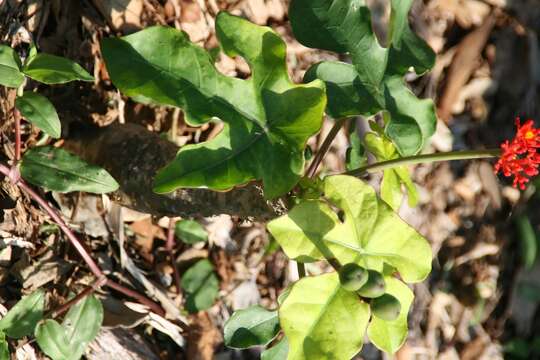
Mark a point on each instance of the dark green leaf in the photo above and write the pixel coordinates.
(277, 352)
(267, 118)
(10, 65)
(250, 327)
(201, 285)
(374, 81)
(39, 111)
(190, 231)
(4, 348)
(356, 154)
(51, 69)
(22, 318)
(58, 170)
(529, 243)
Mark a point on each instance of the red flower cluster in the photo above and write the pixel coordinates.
(520, 157)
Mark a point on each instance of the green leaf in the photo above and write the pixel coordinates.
(39, 111)
(190, 231)
(529, 243)
(279, 351)
(52, 340)
(393, 178)
(80, 326)
(58, 170)
(51, 69)
(267, 119)
(370, 235)
(83, 320)
(374, 81)
(250, 327)
(10, 68)
(22, 318)
(389, 336)
(322, 320)
(201, 285)
(4, 348)
(356, 154)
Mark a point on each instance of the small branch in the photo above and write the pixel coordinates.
(15, 178)
(418, 159)
(89, 290)
(17, 117)
(312, 170)
(170, 245)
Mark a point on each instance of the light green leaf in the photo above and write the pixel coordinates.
(201, 286)
(22, 318)
(83, 321)
(374, 81)
(38, 110)
(58, 170)
(370, 235)
(10, 68)
(52, 340)
(393, 178)
(389, 336)
(267, 119)
(250, 327)
(51, 69)
(4, 348)
(322, 320)
(356, 153)
(80, 326)
(277, 352)
(190, 231)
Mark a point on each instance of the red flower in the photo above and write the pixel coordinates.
(520, 157)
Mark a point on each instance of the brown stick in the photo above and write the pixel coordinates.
(170, 245)
(312, 170)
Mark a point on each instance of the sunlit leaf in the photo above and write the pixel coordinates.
(322, 320)
(371, 234)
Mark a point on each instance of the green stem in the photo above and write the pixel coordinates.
(427, 158)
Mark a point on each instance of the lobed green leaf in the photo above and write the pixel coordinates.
(322, 320)
(389, 336)
(370, 235)
(267, 119)
(58, 170)
(374, 81)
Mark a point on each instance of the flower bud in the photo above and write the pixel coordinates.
(352, 276)
(386, 307)
(374, 287)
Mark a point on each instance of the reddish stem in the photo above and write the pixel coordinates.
(170, 245)
(89, 290)
(312, 170)
(17, 117)
(14, 176)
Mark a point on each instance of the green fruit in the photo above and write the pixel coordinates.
(386, 307)
(374, 287)
(352, 277)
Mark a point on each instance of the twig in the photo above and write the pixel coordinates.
(170, 245)
(15, 178)
(312, 170)
(89, 290)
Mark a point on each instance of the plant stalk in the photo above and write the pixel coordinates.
(427, 158)
(319, 156)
